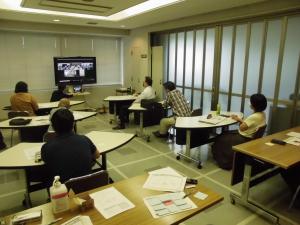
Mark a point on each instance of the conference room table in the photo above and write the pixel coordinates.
(136, 107)
(21, 156)
(52, 105)
(280, 156)
(49, 105)
(132, 189)
(194, 123)
(119, 99)
(38, 121)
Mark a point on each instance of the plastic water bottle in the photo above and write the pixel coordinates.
(218, 112)
(59, 196)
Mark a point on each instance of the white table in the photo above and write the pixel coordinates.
(51, 105)
(190, 123)
(16, 158)
(118, 99)
(38, 121)
(137, 108)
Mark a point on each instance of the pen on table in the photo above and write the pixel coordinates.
(55, 221)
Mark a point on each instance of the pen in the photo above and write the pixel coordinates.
(55, 221)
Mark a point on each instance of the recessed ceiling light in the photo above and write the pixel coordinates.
(122, 26)
(126, 13)
(56, 20)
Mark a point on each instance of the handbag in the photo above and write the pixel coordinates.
(19, 121)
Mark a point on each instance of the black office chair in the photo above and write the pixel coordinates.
(260, 132)
(13, 114)
(88, 182)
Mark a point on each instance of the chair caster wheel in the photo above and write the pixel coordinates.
(199, 166)
(178, 157)
(148, 139)
(110, 122)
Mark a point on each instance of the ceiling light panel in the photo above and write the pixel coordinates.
(95, 7)
(129, 11)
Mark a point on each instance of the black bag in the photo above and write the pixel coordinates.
(19, 121)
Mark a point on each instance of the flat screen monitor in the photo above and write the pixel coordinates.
(75, 70)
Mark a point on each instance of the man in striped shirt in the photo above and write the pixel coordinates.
(179, 105)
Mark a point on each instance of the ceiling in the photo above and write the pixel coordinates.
(106, 8)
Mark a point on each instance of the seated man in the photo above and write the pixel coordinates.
(147, 93)
(68, 155)
(179, 105)
(59, 94)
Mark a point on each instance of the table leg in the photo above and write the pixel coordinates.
(104, 163)
(187, 154)
(243, 198)
(141, 133)
(27, 200)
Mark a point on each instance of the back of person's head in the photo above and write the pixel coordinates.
(148, 80)
(21, 87)
(258, 102)
(61, 87)
(64, 102)
(170, 86)
(62, 121)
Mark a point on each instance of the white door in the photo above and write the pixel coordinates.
(157, 70)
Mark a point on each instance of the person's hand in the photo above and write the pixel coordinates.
(235, 117)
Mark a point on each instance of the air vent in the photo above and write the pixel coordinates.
(92, 23)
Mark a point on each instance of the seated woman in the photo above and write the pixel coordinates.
(22, 100)
(222, 148)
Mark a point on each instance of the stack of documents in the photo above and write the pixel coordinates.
(110, 202)
(294, 138)
(214, 120)
(167, 204)
(165, 179)
(79, 220)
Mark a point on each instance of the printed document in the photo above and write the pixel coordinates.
(110, 202)
(31, 152)
(79, 220)
(214, 120)
(293, 134)
(165, 179)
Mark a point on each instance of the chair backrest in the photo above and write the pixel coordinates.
(13, 114)
(197, 112)
(260, 132)
(88, 182)
(49, 136)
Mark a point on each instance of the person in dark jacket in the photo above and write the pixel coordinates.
(58, 94)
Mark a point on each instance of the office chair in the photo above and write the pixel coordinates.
(13, 114)
(88, 182)
(260, 132)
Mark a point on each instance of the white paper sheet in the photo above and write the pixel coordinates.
(293, 134)
(79, 220)
(167, 204)
(293, 141)
(110, 202)
(31, 152)
(165, 179)
(214, 120)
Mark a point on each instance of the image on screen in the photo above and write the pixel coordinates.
(75, 70)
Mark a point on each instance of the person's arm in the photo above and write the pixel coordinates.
(140, 97)
(34, 103)
(94, 151)
(243, 125)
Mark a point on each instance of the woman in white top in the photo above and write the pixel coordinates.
(222, 148)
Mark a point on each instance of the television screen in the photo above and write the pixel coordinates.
(75, 70)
